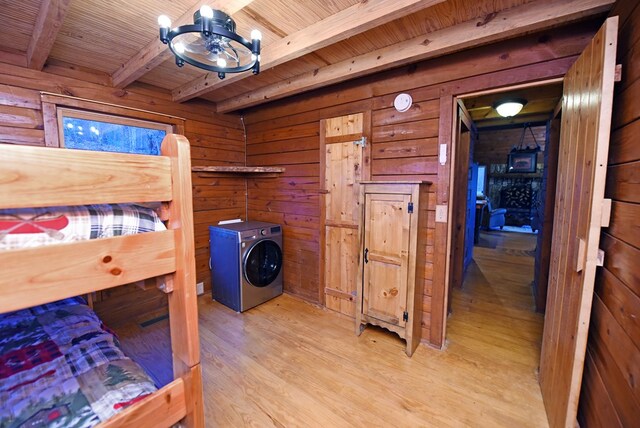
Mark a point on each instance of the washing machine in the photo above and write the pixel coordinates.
(246, 263)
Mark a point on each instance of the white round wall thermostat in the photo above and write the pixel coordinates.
(402, 102)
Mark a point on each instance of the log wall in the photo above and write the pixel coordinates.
(610, 394)
(215, 140)
(404, 145)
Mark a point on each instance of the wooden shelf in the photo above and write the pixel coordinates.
(245, 171)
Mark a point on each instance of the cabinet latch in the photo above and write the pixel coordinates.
(405, 316)
(410, 208)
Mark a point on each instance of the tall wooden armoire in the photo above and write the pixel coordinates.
(392, 258)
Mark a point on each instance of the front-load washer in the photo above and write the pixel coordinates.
(246, 263)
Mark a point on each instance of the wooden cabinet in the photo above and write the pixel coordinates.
(392, 258)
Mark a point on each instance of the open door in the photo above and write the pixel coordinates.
(463, 201)
(580, 212)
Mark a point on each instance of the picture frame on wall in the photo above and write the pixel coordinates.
(522, 162)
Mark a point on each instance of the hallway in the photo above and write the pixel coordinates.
(493, 315)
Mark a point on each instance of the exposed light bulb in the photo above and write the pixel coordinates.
(206, 11)
(221, 62)
(70, 125)
(164, 21)
(79, 128)
(256, 35)
(179, 47)
(80, 133)
(96, 132)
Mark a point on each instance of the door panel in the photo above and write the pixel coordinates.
(343, 166)
(386, 242)
(582, 161)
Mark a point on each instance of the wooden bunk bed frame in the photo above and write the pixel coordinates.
(43, 177)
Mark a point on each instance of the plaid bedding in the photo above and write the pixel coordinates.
(60, 367)
(33, 227)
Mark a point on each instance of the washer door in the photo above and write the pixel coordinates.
(262, 263)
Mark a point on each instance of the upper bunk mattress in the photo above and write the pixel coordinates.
(34, 227)
(60, 367)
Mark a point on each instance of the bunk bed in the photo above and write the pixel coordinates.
(32, 177)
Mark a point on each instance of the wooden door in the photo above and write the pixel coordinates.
(578, 218)
(344, 163)
(387, 224)
(459, 199)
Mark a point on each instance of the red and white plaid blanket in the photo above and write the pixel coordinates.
(34, 227)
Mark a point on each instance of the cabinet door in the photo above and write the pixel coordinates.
(386, 247)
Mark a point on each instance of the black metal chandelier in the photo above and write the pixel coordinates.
(211, 43)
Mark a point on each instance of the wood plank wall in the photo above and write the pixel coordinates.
(215, 140)
(610, 388)
(404, 145)
(493, 145)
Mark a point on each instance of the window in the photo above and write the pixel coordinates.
(482, 179)
(84, 130)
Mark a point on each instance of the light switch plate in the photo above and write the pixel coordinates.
(441, 213)
(200, 288)
(443, 154)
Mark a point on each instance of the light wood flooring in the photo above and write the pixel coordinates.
(288, 363)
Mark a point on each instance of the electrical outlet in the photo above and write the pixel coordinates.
(200, 288)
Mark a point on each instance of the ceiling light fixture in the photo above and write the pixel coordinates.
(509, 107)
(211, 43)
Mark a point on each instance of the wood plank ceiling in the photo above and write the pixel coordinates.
(541, 102)
(118, 39)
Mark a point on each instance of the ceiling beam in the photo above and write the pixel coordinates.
(530, 17)
(47, 26)
(156, 52)
(515, 120)
(353, 20)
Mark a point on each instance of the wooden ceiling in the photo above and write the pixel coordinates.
(541, 103)
(306, 44)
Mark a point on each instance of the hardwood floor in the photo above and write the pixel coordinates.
(288, 363)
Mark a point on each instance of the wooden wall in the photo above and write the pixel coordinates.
(610, 388)
(404, 145)
(494, 145)
(215, 140)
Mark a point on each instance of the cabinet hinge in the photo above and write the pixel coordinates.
(405, 316)
(410, 208)
(362, 142)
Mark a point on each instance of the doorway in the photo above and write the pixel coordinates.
(579, 214)
(498, 219)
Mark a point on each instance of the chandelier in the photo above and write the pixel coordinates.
(211, 43)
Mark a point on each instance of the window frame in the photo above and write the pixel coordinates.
(51, 103)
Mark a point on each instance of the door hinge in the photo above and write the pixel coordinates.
(362, 142)
(410, 208)
(405, 316)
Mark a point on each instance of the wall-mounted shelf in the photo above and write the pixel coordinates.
(244, 171)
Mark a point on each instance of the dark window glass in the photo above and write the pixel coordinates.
(111, 137)
(263, 263)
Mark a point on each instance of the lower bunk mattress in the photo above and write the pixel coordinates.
(61, 367)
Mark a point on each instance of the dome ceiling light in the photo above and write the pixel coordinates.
(509, 107)
(211, 43)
